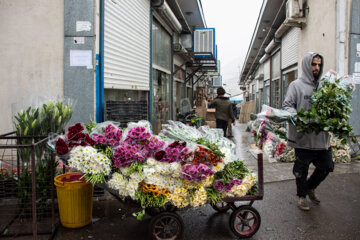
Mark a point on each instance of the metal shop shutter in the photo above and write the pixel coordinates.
(127, 44)
(289, 48)
(267, 69)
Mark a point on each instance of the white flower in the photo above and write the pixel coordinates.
(88, 160)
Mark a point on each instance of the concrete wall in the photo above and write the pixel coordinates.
(31, 50)
(319, 33)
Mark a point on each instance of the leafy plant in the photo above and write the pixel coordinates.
(43, 186)
(90, 126)
(213, 195)
(235, 169)
(330, 111)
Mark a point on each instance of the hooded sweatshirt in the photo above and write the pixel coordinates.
(298, 97)
(223, 107)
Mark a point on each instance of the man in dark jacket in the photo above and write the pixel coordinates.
(224, 110)
(309, 148)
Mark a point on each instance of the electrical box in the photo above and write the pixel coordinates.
(293, 9)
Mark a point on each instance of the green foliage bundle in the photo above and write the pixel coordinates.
(330, 111)
(235, 169)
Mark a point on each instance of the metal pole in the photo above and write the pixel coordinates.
(260, 174)
(33, 189)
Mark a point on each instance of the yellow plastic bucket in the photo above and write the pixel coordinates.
(75, 200)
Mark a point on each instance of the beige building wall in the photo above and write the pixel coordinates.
(319, 32)
(31, 50)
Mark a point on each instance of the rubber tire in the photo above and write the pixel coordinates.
(222, 209)
(169, 219)
(252, 226)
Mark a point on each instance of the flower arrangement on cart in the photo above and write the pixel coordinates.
(182, 166)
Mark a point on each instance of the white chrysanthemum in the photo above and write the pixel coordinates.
(227, 152)
(137, 177)
(89, 161)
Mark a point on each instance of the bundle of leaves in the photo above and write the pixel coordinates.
(330, 111)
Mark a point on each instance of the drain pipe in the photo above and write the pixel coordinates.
(167, 13)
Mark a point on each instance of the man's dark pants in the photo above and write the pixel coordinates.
(222, 124)
(322, 160)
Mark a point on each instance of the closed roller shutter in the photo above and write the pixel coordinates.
(289, 48)
(267, 69)
(127, 44)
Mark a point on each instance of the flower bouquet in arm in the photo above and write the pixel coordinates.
(330, 108)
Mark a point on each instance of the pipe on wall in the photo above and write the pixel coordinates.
(166, 12)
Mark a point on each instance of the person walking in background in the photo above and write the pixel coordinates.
(309, 148)
(224, 111)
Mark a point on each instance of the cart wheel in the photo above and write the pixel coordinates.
(221, 207)
(166, 225)
(245, 221)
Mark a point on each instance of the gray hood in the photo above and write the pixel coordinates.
(306, 74)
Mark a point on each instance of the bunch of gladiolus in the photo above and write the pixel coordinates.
(279, 149)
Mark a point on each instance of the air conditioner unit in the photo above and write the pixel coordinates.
(294, 9)
(204, 42)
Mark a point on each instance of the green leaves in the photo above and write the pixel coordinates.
(235, 169)
(330, 111)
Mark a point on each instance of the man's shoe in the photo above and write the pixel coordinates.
(313, 197)
(303, 204)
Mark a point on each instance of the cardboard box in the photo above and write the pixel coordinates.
(210, 114)
(200, 112)
(211, 124)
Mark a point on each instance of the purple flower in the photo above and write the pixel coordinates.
(109, 128)
(219, 185)
(237, 181)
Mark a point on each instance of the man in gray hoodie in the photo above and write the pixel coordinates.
(309, 148)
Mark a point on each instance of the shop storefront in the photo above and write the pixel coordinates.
(161, 76)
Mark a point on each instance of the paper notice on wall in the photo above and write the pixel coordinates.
(80, 58)
(356, 78)
(358, 47)
(83, 26)
(357, 67)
